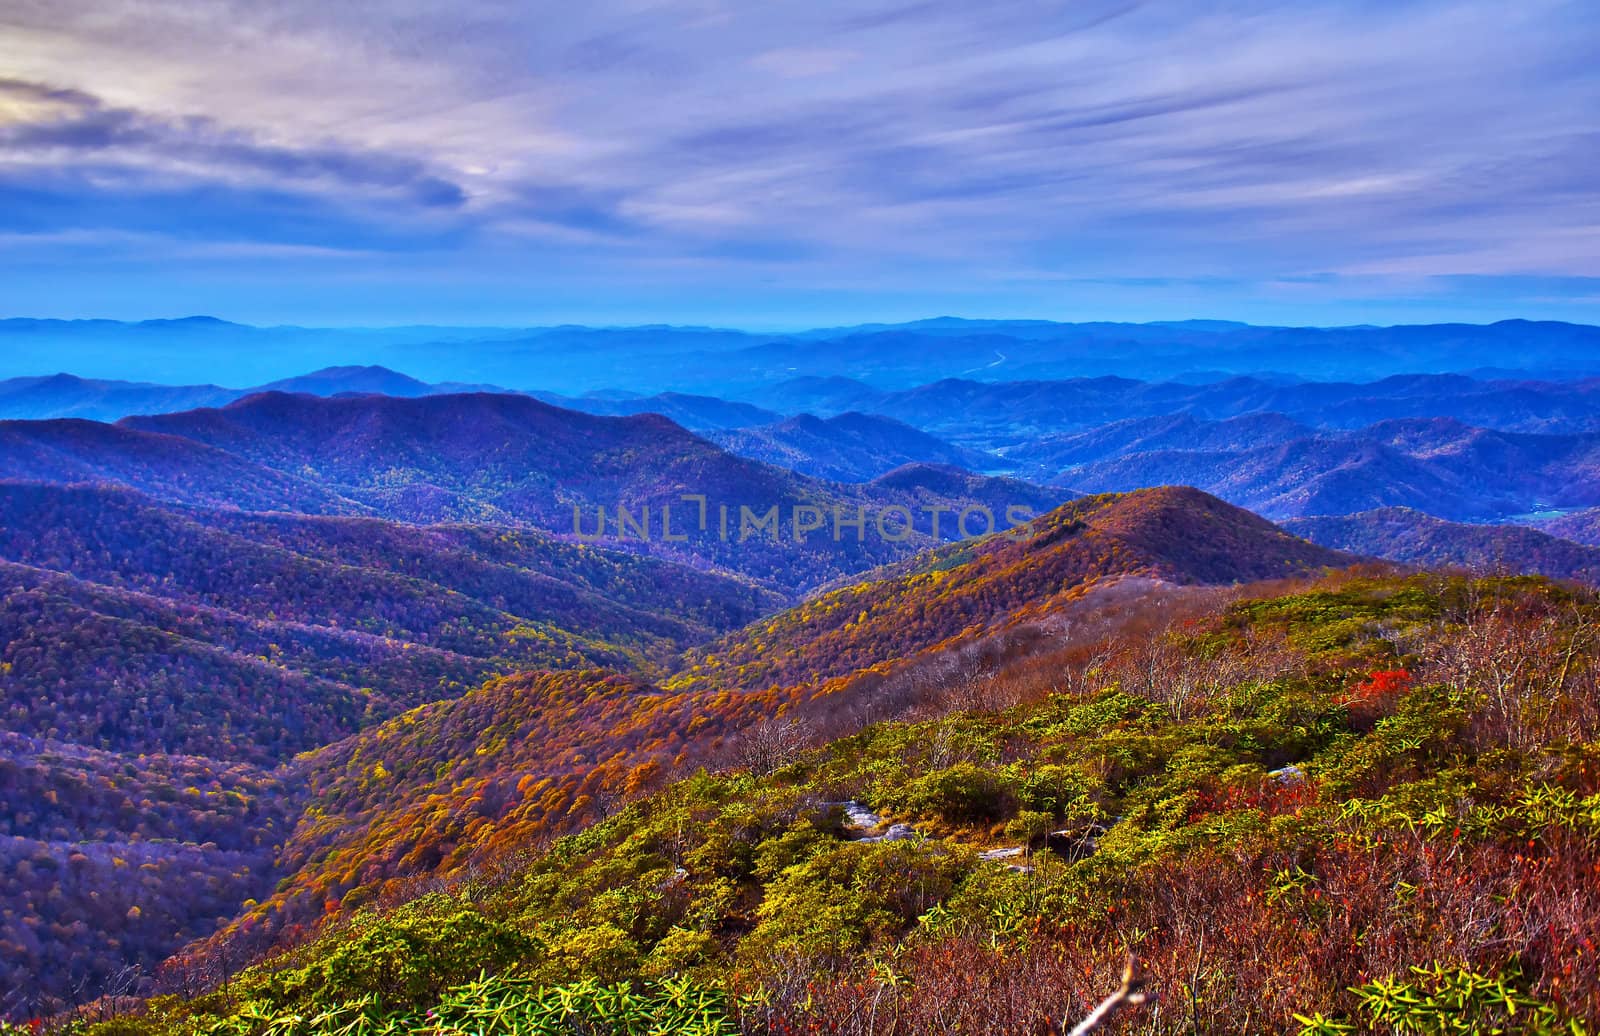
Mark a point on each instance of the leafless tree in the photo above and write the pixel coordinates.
(772, 744)
(1521, 669)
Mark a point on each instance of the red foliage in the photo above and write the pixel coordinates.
(1383, 682)
(1376, 695)
(1272, 797)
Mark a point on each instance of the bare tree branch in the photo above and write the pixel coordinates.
(1132, 994)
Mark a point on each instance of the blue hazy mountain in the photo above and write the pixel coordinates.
(69, 396)
(739, 364)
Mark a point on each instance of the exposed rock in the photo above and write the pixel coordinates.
(863, 825)
(896, 833)
(859, 817)
(1003, 854)
(1073, 844)
(1290, 774)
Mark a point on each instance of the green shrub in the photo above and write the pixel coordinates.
(500, 1006)
(1449, 1001)
(963, 794)
(406, 957)
(601, 951)
(680, 950)
(851, 896)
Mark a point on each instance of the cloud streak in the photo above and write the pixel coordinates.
(60, 130)
(812, 144)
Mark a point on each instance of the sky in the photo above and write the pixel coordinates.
(788, 164)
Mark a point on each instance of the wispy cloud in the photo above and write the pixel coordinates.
(812, 144)
(67, 135)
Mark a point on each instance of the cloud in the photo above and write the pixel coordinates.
(843, 142)
(803, 63)
(64, 129)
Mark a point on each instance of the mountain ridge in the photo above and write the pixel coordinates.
(1417, 538)
(519, 782)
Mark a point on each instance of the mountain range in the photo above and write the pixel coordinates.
(1306, 460)
(512, 459)
(278, 659)
(252, 637)
(1409, 536)
(851, 447)
(540, 754)
(64, 395)
(1273, 466)
(997, 414)
(723, 362)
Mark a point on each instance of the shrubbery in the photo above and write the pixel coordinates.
(1283, 856)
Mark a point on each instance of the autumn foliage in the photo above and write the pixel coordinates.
(1343, 825)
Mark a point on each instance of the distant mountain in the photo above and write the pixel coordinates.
(985, 415)
(1412, 537)
(991, 415)
(934, 485)
(63, 395)
(904, 355)
(513, 460)
(168, 467)
(334, 381)
(698, 413)
(195, 349)
(1279, 469)
(1049, 456)
(945, 326)
(851, 447)
(575, 360)
(732, 363)
(996, 415)
(198, 322)
(818, 395)
(1201, 325)
(1308, 476)
(508, 458)
(1173, 534)
(1581, 526)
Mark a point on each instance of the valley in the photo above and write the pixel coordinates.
(347, 655)
(799, 519)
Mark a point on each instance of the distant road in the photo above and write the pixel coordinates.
(1000, 358)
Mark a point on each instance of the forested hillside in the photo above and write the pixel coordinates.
(447, 786)
(132, 626)
(1360, 804)
(851, 447)
(110, 861)
(145, 648)
(255, 656)
(1401, 534)
(514, 460)
(170, 468)
(971, 589)
(1449, 469)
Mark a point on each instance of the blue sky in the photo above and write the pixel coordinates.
(784, 164)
